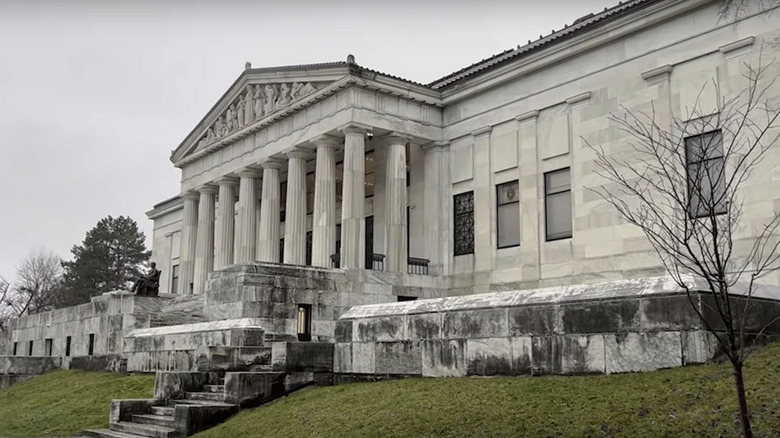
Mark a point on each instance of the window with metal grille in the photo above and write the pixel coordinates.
(706, 175)
(557, 204)
(464, 223)
(507, 215)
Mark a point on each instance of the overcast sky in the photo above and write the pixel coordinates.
(94, 95)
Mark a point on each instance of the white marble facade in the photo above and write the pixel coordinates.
(346, 144)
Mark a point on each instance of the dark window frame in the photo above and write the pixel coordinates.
(68, 340)
(303, 322)
(174, 279)
(48, 346)
(702, 162)
(498, 207)
(91, 347)
(30, 348)
(463, 223)
(547, 195)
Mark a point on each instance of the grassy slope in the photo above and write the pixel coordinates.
(691, 401)
(66, 402)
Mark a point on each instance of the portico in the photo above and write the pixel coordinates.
(308, 176)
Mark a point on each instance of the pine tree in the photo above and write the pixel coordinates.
(110, 258)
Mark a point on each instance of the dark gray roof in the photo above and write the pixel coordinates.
(581, 25)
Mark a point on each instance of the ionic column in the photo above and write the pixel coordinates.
(324, 220)
(353, 200)
(270, 211)
(295, 222)
(395, 204)
(225, 237)
(247, 211)
(189, 232)
(204, 247)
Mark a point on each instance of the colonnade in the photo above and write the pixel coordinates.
(237, 239)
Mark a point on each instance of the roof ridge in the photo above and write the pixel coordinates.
(583, 23)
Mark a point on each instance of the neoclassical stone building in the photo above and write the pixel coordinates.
(479, 178)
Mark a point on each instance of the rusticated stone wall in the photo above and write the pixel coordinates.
(622, 326)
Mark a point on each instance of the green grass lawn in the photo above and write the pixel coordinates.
(66, 402)
(691, 401)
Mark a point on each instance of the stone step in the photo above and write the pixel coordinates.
(106, 433)
(162, 410)
(214, 388)
(159, 420)
(205, 396)
(147, 430)
(186, 401)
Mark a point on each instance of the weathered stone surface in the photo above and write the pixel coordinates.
(582, 354)
(522, 355)
(379, 330)
(426, 326)
(600, 316)
(309, 357)
(404, 357)
(170, 385)
(698, 346)
(250, 389)
(485, 323)
(444, 358)
(363, 357)
(629, 352)
(670, 313)
(532, 320)
(489, 356)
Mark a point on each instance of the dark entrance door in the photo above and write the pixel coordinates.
(370, 242)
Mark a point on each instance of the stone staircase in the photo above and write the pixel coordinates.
(183, 309)
(182, 417)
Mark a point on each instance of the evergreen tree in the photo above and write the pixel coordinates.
(110, 258)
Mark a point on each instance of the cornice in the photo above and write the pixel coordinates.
(557, 53)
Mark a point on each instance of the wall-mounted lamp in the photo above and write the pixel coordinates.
(370, 135)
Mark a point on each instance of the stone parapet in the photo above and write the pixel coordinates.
(622, 326)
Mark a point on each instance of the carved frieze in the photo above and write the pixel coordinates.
(256, 102)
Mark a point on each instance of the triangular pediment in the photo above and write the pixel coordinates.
(258, 95)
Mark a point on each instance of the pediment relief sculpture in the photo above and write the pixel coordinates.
(256, 102)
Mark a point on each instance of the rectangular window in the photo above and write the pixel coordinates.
(706, 175)
(281, 250)
(403, 298)
(464, 223)
(308, 247)
(16, 347)
(48, 347)
(283, 201)
(67, 346)
(91, 349)
(30, 348)
(174, 279)
(557, 204)
(508, 214)
(304, 322)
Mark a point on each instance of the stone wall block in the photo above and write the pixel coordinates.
(546, 354)
(698, 346)
(344, 330)
(363, 357)
(583, 354)
(423, 326)
(668, 313)
(381, 329)
(489, 356)
(404, 357)
(601, 317)
(535, 320)
(631, 352)
(484, 323)
(444, 358)
(522, 355)
(342, 358)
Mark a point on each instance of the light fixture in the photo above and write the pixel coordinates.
(370, 135)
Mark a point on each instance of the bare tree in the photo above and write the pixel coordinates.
(728, 9)
(6, 312)
(38, 284)
(682, 181)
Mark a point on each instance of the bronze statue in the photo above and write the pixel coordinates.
(149, 284)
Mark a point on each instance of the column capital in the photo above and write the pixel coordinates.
(227, 181)
(272, 163)
(192, 195)
(249, 172)
(435, 146)
(208, 188)
(326, 141)
(398, 138)
(298, 152)
(355, 128)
